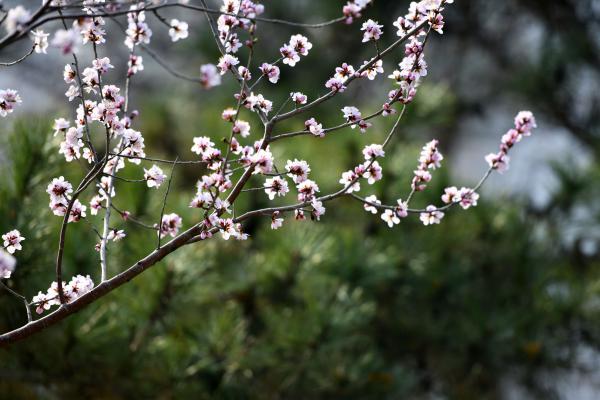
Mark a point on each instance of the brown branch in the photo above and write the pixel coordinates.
(99, 291)
(37, 20)
(331, 94)
(8, 64)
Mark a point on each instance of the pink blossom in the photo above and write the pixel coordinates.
(154, 177)
(368, 207)
(170, 225)
(178, 30)
(335, 85)
(8, 99)
(314, 127)
(12, 241)
(373, 151)
(270, 71)
(276, 222)
(299, 98)
(298, 170)
(431, 216)
(276, 186)
(390, 218)
(372, 31)
(7, 264)
(226, 62)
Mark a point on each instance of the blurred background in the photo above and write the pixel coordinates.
(500, 302)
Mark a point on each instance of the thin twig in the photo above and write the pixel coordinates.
(20, 296)
(162, 211)
(8, 64)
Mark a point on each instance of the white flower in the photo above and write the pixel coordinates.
(12, 241)
(179, 30)
(276, 186)
(300, 44)
(498, 161)
(67, 41)
(290, 56)
(373, 151)
(77, 287)
(154, 177)
(115, 235)
(432, 216)
(72, 93)
(270, 71)
(170, 225)
(226, 62)
(390, 218)
(7, 264)
(402, 209)
(372, 30)
(318, 209)
(102, 65)
(135, 64)
(241, 127)
(77, 212)
(368, 207)
(137, 32)
(299, 98)
(467, 198)
(69, 74)
(40, 41)
(16, 18)
(276, 223)
(258, 101)
(209, 76)
(8, 99)
(297, 170)
(60, 125)
(59, 189)
(350, 181)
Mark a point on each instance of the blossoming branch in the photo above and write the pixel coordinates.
(245, 162)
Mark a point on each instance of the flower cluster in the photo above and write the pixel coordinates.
(59, 191)
(430, 158)
(138, 30)
(353, 116)
(296, 47)
(524, 123)
(370, 169)
(393, 217)
(465, 197)
(77, 287)
(237, 14)
(413, 67)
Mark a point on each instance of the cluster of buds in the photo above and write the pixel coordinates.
(524, 123)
